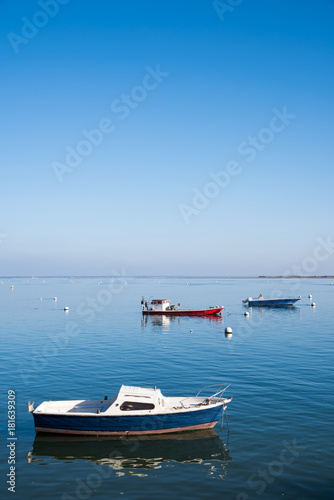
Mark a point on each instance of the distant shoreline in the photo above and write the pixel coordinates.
(176, 277)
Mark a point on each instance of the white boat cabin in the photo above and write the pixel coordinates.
(139, 400)
(159, 304)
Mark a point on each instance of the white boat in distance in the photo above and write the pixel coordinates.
(134, 410)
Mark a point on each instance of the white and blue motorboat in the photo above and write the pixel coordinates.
(134, 410)
(262, 302)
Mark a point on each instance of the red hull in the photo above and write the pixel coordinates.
(186, 312)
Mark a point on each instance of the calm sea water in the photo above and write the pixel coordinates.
(279, 363)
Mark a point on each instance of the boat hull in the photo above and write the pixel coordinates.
(185, 312)
(272, 302)
(205, 418)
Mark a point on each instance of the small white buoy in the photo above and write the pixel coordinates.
(228, 330)
(191, 331)
(228, 335)
(310, 296)
(66, 308)
(246, 313)
(54, 298)
(313, 304)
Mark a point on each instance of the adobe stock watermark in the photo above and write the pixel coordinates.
(3, 236)
(248, 148)
(292, 278)
(87, 309)
(226, 6)
(31, 27)
(84, 488)
(122, 108)
(309, 265)
(267, 475)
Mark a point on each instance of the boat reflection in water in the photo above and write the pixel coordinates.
(136, 456)
(159, 320)
(274, 311)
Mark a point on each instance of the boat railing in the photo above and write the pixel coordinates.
(218, 394)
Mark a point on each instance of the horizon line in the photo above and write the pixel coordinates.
(68, 276)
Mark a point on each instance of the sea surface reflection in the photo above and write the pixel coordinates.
(135, 455)
(166, 321)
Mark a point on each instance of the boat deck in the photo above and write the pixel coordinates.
(94, 407)
(185, 312)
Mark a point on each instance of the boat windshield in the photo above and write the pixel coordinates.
(135, 405)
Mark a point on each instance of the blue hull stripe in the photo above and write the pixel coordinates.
(128, 422)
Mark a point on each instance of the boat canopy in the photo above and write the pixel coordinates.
(140, 393)
(156, 304)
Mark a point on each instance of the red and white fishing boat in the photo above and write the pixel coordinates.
(163, 306)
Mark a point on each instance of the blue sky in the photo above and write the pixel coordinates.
(180, 90)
